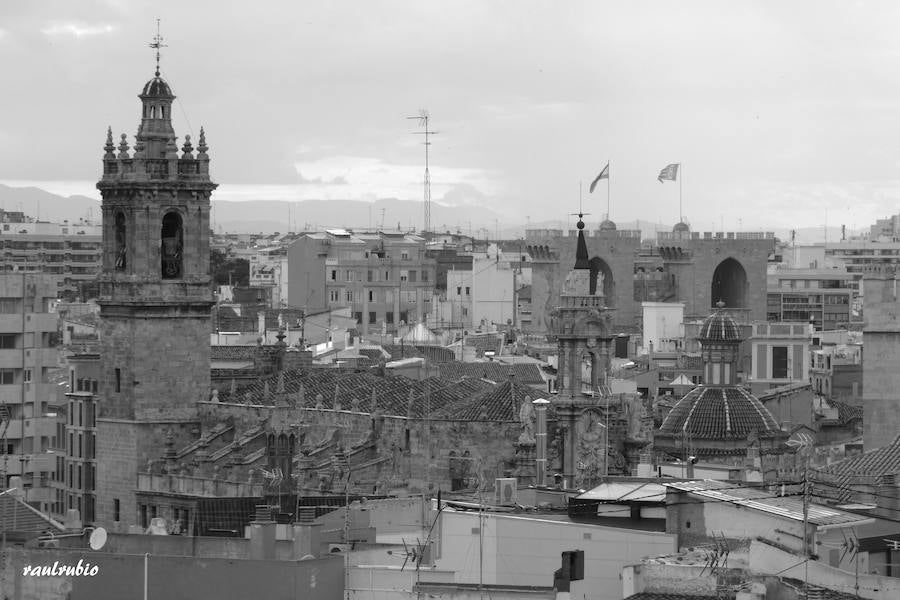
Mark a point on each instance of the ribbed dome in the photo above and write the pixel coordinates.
(720, 327)
(716, 413)
(681, 227)
(607, 225)
(157, 88)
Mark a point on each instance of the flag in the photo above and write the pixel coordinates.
(670, 173)
(604, 174)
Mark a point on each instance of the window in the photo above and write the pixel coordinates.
(27, 375)
(389, 317)
(404, 275)
(348, 294)
(404, 315)
(334, 295)
(116, 507)
(369, 275)
(144, 515)
(404, 256)
(118, 380)
(371, 296)
(779, 362)
(10, 305)
(387, 275)
(7, 376)
(468, 291)
(358, 316)
(424, 275)
(120, 242)
(459, 290)
(371, 317)
(465, 311)
(7, 340)
(171, 237)
(412, 276)
(334, 274)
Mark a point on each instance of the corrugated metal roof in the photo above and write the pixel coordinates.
(622, 491)
(789, 507)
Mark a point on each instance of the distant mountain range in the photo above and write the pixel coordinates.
(268, 216)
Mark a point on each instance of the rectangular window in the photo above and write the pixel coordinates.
(387, 275)
(371, 317)
(348, 295)
(118, 380)
(389, 317)
(116, 507)
(144, 523)
(27, 375)
(369, 275)
(358, 316)
(7, 340)
(404, 316)
(334, 295)
(404, 256)
(404, 275)
(459, 290)
(334, 274)
(412, 276)
(371, 296)
(10, 305)
(424, 275)
(7, 376)
(468, 291)
(779, 362)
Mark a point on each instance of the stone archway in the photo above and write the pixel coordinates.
(730, 285)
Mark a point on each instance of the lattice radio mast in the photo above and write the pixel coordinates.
(423, 119)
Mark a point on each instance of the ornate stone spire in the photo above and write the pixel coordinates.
(109, 147)
(123, 147)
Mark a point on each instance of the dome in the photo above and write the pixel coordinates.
(681, 227)
(718, 413)
(720, 327)
(157, 88)
(607, 225)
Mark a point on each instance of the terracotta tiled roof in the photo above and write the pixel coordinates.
(499, 403)
(720, 327)
(847, 412)
(490, 342)
(883, 461)
(719, 413)
(232, 352)
(525, 373)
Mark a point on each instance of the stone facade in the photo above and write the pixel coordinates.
(676, 267)
(881, 340)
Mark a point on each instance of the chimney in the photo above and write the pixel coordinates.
(540, 438)
(262, 534)
(307, 533)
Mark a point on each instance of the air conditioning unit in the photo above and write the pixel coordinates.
(505, 491)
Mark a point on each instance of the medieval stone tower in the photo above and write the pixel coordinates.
(155, 298)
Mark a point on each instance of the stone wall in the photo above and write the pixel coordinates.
(881, 339)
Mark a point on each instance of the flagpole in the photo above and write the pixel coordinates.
(607, 188)
(680, 183)
(579, 197)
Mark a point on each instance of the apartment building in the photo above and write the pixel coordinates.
(385, 277)
(824, 297)
(69, 250)
(29, 395)
(268, 269)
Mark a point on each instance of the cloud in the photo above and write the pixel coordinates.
(76, 29)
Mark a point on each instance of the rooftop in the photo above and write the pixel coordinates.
(789, 507)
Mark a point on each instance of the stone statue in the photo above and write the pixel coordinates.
(526, 418)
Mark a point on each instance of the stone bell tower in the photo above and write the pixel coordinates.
(581, 326)
(155, 297)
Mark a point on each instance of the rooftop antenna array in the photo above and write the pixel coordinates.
(424, 118)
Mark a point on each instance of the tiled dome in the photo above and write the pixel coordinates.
(720, 327)
(681, 227)
(718, 413)
(607, 225)
(157, 88)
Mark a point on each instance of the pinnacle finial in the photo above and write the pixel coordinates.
(109, 147)
(123, 147)
(202, 147)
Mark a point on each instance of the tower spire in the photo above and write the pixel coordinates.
(581, 253)
(156, 44)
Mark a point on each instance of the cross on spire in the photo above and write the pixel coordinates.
(156, 44)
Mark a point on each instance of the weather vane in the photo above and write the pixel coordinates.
(156, 44)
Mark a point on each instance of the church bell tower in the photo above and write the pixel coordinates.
(155, 296)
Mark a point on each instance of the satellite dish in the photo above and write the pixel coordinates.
(98, 538)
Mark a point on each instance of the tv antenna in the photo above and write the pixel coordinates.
(424, 118)
(414, 553)
(156, 44)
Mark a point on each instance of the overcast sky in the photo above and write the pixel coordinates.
(782, 113)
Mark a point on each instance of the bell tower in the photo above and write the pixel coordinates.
(581, 326)
(155, 296)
